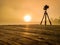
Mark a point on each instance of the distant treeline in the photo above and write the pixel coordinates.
(56, 21)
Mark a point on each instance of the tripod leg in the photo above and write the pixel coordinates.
(42, 20)
(49, 20)
(45, 20)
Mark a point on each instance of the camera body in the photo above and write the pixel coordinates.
(46, 7)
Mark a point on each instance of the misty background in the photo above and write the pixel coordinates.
(13, 11)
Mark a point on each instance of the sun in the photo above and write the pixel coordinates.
(27, 18)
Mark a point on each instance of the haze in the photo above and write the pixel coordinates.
(13, 11)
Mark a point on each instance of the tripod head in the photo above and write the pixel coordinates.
(46, 7)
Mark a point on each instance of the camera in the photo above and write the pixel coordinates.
(46, 7)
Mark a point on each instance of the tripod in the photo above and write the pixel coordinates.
(45, 16)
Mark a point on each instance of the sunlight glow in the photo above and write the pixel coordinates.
(27, 18)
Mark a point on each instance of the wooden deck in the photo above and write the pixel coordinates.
(20, 35)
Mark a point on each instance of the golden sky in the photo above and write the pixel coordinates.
(13, 11)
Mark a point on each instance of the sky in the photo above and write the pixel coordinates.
(13, 11)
